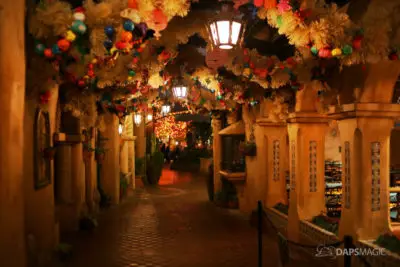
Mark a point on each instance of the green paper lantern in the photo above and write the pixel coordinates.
(219, 97)
(347, 50)
(279, 21)
(314, 50)
(78, 27)
(131, 73)
(39, 49)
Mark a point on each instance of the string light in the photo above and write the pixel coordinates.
(168, 127)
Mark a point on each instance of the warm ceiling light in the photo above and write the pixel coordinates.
(225, 30)
(180, 91)
(120, 129)
(149, 117)
(137, 118)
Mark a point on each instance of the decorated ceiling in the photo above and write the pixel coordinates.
(126, 56)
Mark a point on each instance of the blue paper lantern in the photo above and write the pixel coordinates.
(109, 31)
(78, 27)
(108, 44)
(55, 49)
(129, 26)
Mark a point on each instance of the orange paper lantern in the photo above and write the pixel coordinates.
(132, 4)
(158, 22)
(270, 4)
(63, 44)
(126, 36)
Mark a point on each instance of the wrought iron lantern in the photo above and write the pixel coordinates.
(149, 117)
(226, 30)
(165, 109)
(120, 129)
(180, 90)
(137, 118)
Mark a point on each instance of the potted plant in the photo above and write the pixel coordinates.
(49, 152)
(248, 148)
(100, 154)
(87, 223)
(63, 251)
(389, 241)
(87, 152)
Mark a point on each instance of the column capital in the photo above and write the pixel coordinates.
(373, 110)
(265, 122)
(307, 117)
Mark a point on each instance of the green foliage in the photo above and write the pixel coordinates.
(282, 208)
(154, 167)
(326, 223)
(123, 181)
(390, 242)
(139, 166)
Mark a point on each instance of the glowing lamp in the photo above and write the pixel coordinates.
(226, 31)
(165, 109)
(137, 118)
(149, 117)
(180, 91)
(120, 129)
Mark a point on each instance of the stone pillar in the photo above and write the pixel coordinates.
(12, 95)
(124, 157)
(110, 180)
(91, 176)
(78, 179)
(307, 168)
(140, 131)
(216, 126)
(365, 138)
(272, 155)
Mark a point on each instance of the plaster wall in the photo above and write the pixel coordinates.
(12, 85)
(40, 225)
(332, 145)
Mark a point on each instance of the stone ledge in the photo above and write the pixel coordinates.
(307, 117)
(375, 110)
(265, 122)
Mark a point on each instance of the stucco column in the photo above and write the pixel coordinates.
(216, 126)
(365, 138)
(124, 158)
(63, 185)
(307, 168)
(110, 180)
(140, 132)
(91, 176)
(273, 160)
(78, 177)
(12, 95)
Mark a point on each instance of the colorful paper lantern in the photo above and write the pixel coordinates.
(314, 50)
(357, 42)
(126, 36)
(48, 53)
(78, 27)
(347, 50)
(109, 31)
(216, 58)
(39, 49)
(79, 16)
(55, 49)
(258, 3)
(108, 44)
(336, 52)
(325, 53)
(63, 44)
(70, 36)
(129, 26)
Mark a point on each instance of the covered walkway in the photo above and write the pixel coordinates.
(172, 226)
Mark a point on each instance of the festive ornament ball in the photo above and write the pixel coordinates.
(132, 73)
(109, 31)
(48, 53)
(94, 61)
(120, 45)
(314, 50)
(135, 60)
(81, 83)
(347, 50)
(108, 44)
(325, 53)
(336, 52)
(132, 4)
(219, 97)
(70, 36)
(129, 26)
(55, 50)
(90, 73)
(78, 27)
(126, 36)
(63, 44)
(79, 16)
(357, 42)
(39, 49)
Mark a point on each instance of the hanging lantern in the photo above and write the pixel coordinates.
(165, 109)
(226, 31)
(180, 89)
(149, 117)
(137, 118)
(120, 129)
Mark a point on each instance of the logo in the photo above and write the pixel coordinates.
(332, 252)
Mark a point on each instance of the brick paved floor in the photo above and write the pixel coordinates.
(173, 226)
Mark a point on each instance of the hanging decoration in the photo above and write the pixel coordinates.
(168, 127)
